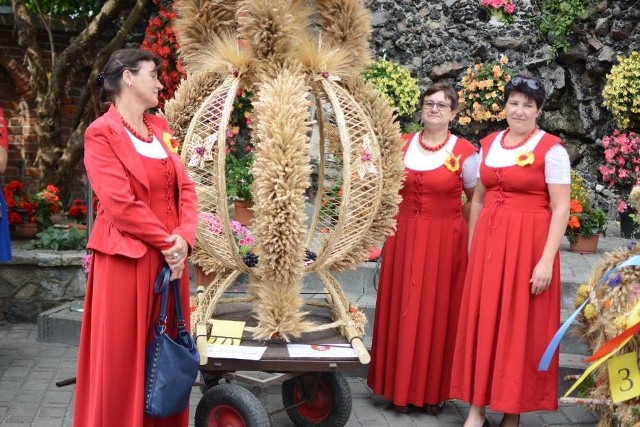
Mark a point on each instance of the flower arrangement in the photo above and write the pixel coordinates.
(501, 9)
(395, 83)
(242, 235)
(621, 163)
(621, 93)
(160, 38)
(239, 149)
(608, 313)
(77, 211)
(584, 219)
(31, 208)
(482, 91)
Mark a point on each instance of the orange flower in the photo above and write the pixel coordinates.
(523, 159)
(575, 206)
(452, 163)
(574, 222)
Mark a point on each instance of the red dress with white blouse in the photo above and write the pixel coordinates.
(420, 287)
(503, 329)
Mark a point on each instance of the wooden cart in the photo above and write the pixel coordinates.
(315, 392)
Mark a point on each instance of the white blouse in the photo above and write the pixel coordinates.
(557, 166)
(152, 149)
(419, 159)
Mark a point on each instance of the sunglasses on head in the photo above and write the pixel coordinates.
(518, 81)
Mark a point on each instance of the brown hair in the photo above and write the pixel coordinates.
(529, 86)
(107, 84)
(449, 92)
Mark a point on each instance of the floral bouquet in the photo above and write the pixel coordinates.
(621, 164)
(240, 149)
(395, 83)
(482, 92)
(31, 208)
(584, 219)
(501, 9)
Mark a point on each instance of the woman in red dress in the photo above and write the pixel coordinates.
(423, 264)
(146, 217)
(511, 303)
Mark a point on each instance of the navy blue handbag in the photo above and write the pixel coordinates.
(171, 364)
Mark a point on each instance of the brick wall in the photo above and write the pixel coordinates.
(18, 103)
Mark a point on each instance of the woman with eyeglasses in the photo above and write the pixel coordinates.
(511, 304)
(423, 264)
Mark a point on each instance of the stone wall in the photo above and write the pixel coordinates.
(37, 280)
(437, 40)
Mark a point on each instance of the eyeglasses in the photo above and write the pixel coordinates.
(533, 84)
(440, 105)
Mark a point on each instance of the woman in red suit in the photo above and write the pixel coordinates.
(146, 217)
(511, 304)
(423, 264)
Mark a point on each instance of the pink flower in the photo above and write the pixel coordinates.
(622, 205)
(509, 8)
(236, 227)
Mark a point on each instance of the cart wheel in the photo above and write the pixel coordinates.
(230, 405)
(329, 405)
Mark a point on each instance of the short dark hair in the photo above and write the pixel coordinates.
(449, 92)
(107, 84)
(531, 87)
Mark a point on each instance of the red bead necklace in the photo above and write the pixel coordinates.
(148, 138)
(519, 144)
(437, 147)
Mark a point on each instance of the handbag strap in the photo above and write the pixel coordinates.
(161, 286)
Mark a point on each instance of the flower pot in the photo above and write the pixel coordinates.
(628, 228)
(202, 278)
(77, 226)
(585, 245)
(243, 211)
(24, 231)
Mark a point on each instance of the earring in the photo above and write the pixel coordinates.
(129, 84)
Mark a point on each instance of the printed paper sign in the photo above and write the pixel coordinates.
(235, 352)
(226, 332)
(624, 377)
(321, 350)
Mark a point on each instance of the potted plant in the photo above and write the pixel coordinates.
(586, 222)
(30, 212)
(620, 172)
(240, 157)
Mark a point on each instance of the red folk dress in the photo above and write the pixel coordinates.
(420, 288)
(503, 329)
(120, 304)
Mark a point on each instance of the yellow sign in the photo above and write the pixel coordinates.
(226, 332)
(624, 377)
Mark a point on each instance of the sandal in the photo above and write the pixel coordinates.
(401, 409)
(431, 409)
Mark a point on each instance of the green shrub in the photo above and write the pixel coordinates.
(396, 84)
(60, 239)
(559, 18)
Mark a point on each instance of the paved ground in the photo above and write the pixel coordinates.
(30, 369)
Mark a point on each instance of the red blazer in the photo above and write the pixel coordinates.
(124, 224)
